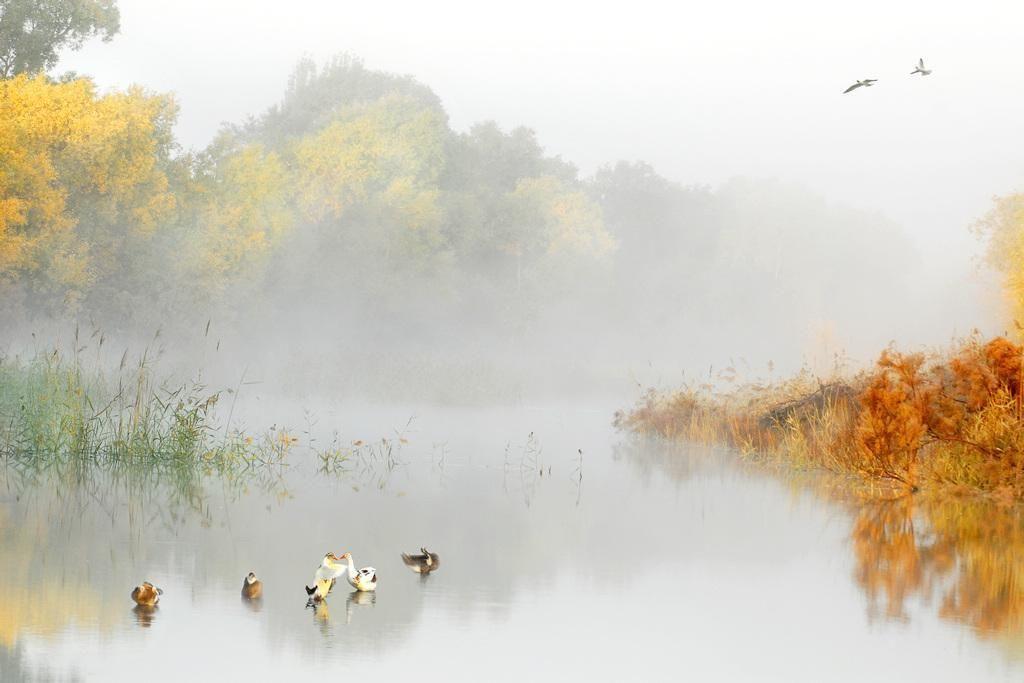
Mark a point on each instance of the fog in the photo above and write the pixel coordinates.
(285, 278)
(751, 212)
(702, 91)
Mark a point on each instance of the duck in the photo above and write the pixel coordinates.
(147, 594)
(319, 590)
(252, 588)
(424, 563)
(330, 568)
(364, 579)
(866, 83)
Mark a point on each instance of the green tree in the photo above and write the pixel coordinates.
(33, 32)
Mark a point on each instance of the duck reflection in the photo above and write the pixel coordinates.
(321, 615)
(968, 554)
(253, 604)
(145, 614)
(358, 599)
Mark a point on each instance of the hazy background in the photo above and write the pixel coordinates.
(702, 91)
(795, 222)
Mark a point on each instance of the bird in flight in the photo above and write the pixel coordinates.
(919, 69)
(866, 83)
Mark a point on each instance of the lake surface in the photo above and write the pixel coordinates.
(633, 561)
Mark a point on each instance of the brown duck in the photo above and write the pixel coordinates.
(423, 563)
(147, 594)
(252, 587)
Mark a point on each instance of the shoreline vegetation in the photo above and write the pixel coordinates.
(57, 407)
(70, 413)
(949, 423)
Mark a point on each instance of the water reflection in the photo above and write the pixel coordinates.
(253, 604)
(959, 558)
(965, 557)
(321, 616)
(529, 565)
(358, 599)
(145, 614)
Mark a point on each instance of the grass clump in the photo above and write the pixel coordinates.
(951, 421)
(54, 408)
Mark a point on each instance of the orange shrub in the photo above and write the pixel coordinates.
(954, 421)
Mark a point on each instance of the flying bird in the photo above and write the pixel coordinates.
(866, 83)
(919, 69)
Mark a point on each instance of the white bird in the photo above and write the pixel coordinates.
(364, 579)
(866, 83)
(919, 69)
(323, 581)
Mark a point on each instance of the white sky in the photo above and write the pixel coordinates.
(704, 91)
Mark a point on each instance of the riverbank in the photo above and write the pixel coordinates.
(948, 421)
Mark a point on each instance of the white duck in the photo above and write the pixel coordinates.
(323, 581)
(364, 579)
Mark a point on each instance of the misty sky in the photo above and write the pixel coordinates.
(704, 91)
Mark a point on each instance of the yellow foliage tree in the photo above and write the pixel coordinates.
(82, 178)
(382, 159)
(247, 211)
(1003, 226)
(561, 220)
(550, 224)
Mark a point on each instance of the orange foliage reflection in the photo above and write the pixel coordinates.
(966, 557)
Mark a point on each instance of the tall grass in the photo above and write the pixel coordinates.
(952, 421)
(55, 408)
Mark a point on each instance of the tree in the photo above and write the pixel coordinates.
(33, 32)
(83, 183)
(316, 95)
(244, 214)
(1003, 227)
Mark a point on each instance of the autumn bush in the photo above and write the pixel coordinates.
(913, 420)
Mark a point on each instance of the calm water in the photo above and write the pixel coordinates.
(656, 563)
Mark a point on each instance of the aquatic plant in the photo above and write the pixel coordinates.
(56, 408)
(367, 463)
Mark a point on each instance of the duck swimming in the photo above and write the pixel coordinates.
(252, 587)
(147, 594)
(323, 581)
(364, 579)
(424, 563)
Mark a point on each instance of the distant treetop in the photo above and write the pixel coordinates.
(315, 95)
(33, 32)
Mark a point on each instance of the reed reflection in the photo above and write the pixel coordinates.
(965, 557)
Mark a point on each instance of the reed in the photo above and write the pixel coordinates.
(949, 421)
(55, 407)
